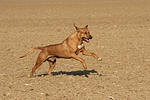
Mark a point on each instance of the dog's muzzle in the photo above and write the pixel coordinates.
(87, 39)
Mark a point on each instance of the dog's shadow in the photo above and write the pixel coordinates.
(74, 73)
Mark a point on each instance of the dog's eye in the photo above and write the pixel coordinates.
(85, 33)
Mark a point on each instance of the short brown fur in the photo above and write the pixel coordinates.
(69, 48)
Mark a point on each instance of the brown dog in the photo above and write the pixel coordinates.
(69, 48)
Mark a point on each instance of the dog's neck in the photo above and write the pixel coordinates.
(78, 36)
(80, 46)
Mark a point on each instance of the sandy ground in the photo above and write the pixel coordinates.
(121, 37)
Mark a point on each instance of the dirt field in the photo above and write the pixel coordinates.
(121, 37)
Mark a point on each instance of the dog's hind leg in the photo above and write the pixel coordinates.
(41, 58)
(51, 66)
(35, 67)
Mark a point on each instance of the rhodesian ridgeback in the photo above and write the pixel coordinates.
(69, 48)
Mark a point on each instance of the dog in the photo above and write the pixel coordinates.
(69, 48)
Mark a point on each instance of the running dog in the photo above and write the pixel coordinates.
(69, 48)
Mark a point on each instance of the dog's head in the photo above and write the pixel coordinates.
(84, 33)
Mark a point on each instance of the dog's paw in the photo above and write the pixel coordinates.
(99, 59)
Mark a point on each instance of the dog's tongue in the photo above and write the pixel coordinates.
(87, 40)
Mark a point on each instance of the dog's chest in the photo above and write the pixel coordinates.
(80, 46)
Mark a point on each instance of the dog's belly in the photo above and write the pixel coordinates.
(59, 51)
(62, 54)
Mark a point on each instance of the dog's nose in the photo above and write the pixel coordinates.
(90, 37)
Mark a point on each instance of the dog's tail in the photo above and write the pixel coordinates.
(41, 48)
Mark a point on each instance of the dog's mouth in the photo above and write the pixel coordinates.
(85, 39)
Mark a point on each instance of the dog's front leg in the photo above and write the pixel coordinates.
(88, 53)
(73, 55)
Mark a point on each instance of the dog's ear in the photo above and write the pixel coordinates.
(77, 28)
(86, 26)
